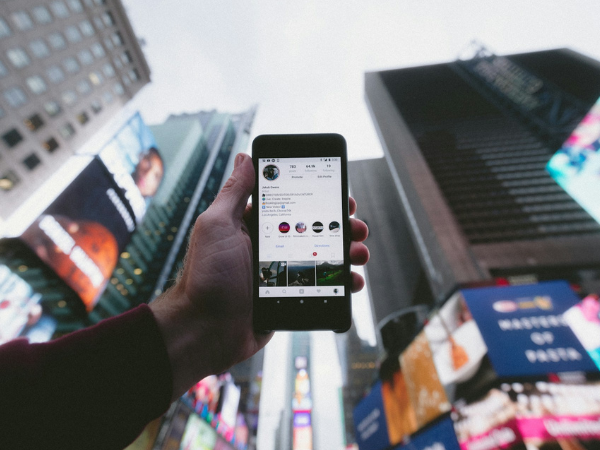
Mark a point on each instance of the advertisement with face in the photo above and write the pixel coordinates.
(575, 166)
(133, 159)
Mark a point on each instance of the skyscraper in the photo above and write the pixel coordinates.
(198, 151)
(466, 143)
(66, 68)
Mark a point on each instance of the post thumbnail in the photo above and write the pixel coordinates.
(330, 273)
(301, 273)
(272, 273)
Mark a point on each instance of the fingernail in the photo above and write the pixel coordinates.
(238, 160)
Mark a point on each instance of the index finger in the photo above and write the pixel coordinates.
(352, 205)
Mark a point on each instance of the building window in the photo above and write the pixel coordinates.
(85, 57)
(83, 87)
(108, 19)
(15, 96)
(83, 118)
(39, 48)
(118, 63)
(22, 20)
(32, 161)
(59, 9)
(100, 2)
(117, 39)
(126, 80)
(57, 41)
(18, 57)
(51, 145)
(98, 22)
(34, 122)
(86, 28)
(55, 74)
(9, 180)
(67, 131)
(119, 89)
(108, 43)
(4, 29)
(134, 74)
(3, 70)
(73, 34)
(107, 97)
(96, 78)
(2, 113)
(52, 108)
(71, 65)
(75, 6)
(126, 57)
(69, 97)
(108, 70)
(96, 106)
(98, 50)
(41, 14)
(12, 137)
(36, 84)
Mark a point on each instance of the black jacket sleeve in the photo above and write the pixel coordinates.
(95, 389)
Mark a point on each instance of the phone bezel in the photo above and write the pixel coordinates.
(313, 313)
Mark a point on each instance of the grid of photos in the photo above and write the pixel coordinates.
(301, 273)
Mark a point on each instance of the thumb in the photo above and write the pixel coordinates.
(233, 197)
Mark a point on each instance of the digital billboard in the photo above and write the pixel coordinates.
(20, 307)
(83, 231)
(575, 166)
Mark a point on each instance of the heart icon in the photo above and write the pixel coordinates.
(318, 290)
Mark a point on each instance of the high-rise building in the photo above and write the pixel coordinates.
(198, 151)
(466, 144)
(66, 68)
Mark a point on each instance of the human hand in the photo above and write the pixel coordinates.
(206, 317)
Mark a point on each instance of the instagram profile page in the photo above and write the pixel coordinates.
(301, 244)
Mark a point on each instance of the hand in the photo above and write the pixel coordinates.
(206, 317)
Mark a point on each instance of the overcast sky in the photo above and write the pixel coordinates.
(303, 62)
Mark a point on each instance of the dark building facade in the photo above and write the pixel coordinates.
(466, 144)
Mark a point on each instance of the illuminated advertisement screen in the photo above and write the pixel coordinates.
(83, 231)
(575, 166)
(198, 435)
(20, 308)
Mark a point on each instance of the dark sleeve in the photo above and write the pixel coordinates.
(94, 388)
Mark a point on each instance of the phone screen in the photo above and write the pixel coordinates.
(300, 220)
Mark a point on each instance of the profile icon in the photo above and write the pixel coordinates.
(317, 227)
(334, 227)
(284, 227)
(271, 172)
(300, 227)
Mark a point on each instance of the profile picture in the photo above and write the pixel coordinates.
(300, 227)
(317, 227)
(271, 172)
(334, 227)
(284, 227)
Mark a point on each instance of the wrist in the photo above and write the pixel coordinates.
(186, 339)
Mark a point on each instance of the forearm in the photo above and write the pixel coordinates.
(95, 388)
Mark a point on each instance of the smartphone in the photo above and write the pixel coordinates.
(301, 233)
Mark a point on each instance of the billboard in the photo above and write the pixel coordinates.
(83, 231)
(576, 164)
(370, 422)
(20, 308)
(198, 435)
